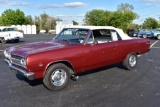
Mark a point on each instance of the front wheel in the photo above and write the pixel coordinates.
(131, 61)
(57, 76)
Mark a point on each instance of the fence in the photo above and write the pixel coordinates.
(27, 29)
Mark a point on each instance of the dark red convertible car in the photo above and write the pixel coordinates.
(74, 50)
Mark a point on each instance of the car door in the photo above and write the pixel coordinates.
(99, 53)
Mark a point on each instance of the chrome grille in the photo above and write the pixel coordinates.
(15, 57)
(16, 60)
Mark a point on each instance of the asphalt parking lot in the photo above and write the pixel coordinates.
(111, 86)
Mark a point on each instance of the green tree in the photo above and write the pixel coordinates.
(37, 23)
(47, 22)
(125, 7)
(0, 20)
(44, 21)
(13, 17)
(150, 23)
(74, 22)
(134, 26)
(28, 20)
(97, 17)
(122, 18)
(52, 22)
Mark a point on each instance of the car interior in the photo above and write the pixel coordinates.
(103, 36)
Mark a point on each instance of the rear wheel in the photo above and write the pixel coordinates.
(57, 76)
(3, 40)
(131, 61)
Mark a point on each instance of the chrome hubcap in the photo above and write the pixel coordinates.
(58, 77)
(3, 40)
(132, 61)
(158, 36)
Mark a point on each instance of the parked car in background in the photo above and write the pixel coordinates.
(42, 32)
(135, 33)
(10, 34)
(156, 33)
(132, 32)
(145, 33)
(75, 50)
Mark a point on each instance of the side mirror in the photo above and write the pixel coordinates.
(95, 42)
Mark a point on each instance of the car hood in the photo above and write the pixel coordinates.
(31, 48)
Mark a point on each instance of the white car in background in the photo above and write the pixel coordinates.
(10, 34)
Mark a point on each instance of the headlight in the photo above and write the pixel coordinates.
(23, 62)
(7, 54)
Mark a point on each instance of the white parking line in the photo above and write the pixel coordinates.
(153, 44)
(156, 47)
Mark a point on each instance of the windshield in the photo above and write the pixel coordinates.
(72, 35)
(8, 29)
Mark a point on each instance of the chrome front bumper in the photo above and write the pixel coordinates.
(30, 76)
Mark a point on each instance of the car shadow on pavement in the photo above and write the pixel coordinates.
(12, 42)
(30, 82)
(40, 81)
(118, 65)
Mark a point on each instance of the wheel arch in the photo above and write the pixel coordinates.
(137, 53)
(67, 63)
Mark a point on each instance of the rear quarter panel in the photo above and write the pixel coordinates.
(126, 47)
(143, 45)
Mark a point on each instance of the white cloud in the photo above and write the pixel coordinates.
(48, 6)
(17, 3)
(81, 15)
(62, 15)
(66, 5)
(75, 4)
(13, 3)
(3, 1)
(157, 5)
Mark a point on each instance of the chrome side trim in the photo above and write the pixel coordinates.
(30, 76)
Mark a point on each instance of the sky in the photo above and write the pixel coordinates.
(69, 10)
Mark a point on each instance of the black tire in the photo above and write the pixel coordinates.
(16, 40)
(130, 61)
(3, 40)
(57, 76)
